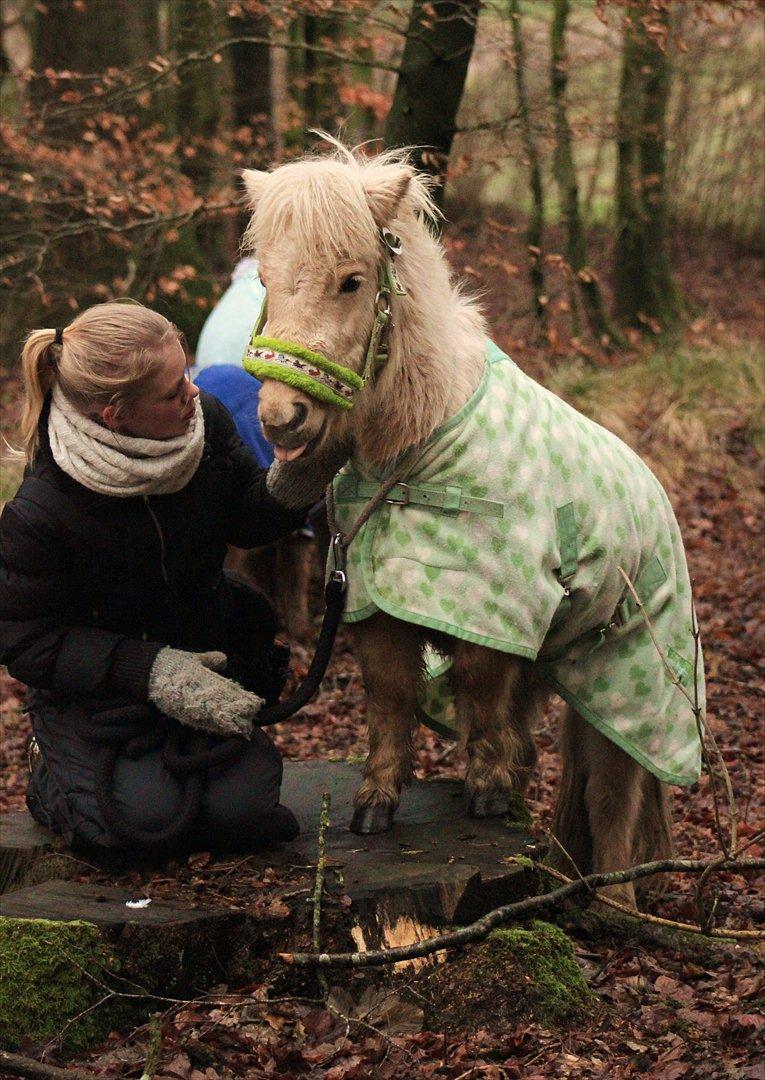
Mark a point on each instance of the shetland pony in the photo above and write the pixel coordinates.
(316, 227)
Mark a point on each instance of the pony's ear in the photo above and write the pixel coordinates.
(254, 182)
(385, 187)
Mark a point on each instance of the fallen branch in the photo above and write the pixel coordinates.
(478, 930)
(17, 1065)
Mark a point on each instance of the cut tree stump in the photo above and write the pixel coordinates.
(29, 853)
(435, 867)
(168, 947)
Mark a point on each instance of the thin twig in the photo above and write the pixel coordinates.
(482, 927)
(326, 800)
(657, 920)
(155, 1044)
(704, 731)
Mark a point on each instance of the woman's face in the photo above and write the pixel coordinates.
(166, 405)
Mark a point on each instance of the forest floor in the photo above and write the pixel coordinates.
(664, 1010)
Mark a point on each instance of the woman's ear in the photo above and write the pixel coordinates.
(254, 182)
(108, 417)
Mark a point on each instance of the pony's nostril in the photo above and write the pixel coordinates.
(297, 421)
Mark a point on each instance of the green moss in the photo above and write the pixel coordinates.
(518, 812)
(514, 973)
(543, 956)
(49, 974)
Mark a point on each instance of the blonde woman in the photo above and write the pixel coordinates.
(114, 609)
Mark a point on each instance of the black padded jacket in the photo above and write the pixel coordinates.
(92, 586)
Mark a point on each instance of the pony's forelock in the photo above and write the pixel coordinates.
(335, 215)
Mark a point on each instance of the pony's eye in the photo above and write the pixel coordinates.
(351, 284)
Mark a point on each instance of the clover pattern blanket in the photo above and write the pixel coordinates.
(509, 531)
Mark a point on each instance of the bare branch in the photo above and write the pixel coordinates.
(478, 930)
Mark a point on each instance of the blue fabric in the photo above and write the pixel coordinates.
(227, 329)
(238, 391)
(218, 362)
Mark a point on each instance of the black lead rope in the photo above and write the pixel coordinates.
(134, 729)
(334, 598)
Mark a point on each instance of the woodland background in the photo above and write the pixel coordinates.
(601, 174)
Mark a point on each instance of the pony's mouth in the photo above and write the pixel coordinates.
(292, 453)
(281, 453)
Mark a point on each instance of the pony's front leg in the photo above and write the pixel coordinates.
(390, 655)
(494, 707)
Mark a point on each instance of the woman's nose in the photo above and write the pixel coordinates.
(191, 390)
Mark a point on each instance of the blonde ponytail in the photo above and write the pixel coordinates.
(108, 354)
(39, 359)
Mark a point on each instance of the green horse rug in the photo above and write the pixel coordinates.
(509, 531)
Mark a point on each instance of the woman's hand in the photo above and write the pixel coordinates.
(186, 686)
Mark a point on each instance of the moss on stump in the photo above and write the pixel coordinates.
(50, 973)
(518, 972)
(518, 812)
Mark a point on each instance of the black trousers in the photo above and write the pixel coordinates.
(240, 809)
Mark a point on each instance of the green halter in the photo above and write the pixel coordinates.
(315, 374)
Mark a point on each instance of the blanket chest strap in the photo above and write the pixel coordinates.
(448, 500)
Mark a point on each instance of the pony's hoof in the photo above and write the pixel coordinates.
(375, 818)
(488, 804)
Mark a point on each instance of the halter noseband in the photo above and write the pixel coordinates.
(315, 374)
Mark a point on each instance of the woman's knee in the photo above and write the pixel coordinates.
(242, 800)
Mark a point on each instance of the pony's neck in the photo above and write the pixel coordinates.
(436, 357)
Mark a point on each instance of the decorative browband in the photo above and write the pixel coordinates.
(314, 374)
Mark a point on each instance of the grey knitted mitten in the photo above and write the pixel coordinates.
(185, 685)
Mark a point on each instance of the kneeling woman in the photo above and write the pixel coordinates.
(114, 608)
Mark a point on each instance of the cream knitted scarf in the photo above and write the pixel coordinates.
(121, 465)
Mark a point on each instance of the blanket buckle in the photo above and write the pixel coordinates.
(404, 488)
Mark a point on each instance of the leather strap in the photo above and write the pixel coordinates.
(449, 499)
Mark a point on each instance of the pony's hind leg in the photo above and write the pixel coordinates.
(611, 812)
(494, 719)
(390, 655)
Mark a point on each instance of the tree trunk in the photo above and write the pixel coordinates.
(565, 175)
(645, 292)
(537, 215)
(198, 107)
(251, 74)
(429, 87)
(320, 96)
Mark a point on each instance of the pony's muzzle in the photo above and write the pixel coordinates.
(284, 422)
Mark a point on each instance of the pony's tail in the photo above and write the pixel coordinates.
(39, 366)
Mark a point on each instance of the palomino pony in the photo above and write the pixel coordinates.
(344, 244)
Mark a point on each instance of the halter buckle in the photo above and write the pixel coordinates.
(383, 296)
(391, 241)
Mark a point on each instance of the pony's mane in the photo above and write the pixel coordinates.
(320, 198)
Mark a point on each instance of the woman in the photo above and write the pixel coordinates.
(112, 595)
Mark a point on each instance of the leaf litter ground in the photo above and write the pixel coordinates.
(665, 1011)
